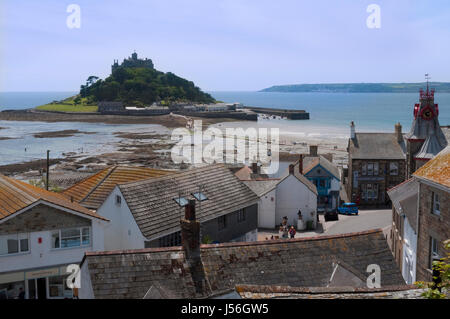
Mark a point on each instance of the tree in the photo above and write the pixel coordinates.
(439, 288)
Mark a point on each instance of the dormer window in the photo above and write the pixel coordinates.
(200, 196)
(181, 201)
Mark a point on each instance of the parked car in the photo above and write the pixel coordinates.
(331, 215)
(348, 209)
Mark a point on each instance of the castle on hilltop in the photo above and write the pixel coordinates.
(133, 62)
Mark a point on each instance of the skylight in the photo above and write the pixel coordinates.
(181, 201)
(199, 196)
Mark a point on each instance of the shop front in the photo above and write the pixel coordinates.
(44, 283)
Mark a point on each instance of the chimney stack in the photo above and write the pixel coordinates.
(291, 169)
(313, 150)
(300, 164)
(255, 168)
(352, 130)
(190, 231)
(398, 132)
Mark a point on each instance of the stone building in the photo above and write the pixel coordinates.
(433, 212)
(376, 163)
(379, 161)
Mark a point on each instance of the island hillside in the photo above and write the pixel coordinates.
(441, 87)
(134, 82)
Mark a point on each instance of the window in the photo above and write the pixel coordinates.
(118, 199)
(241, 215)
(375, 168)
(370, 169)
(71, 237)
(14, 244)
(369, 191)
(436, 204)
(222, 220)
(393, 168)
(199, 196)
(181, 201)
(434, 254)
(322, 183)
(364, 169)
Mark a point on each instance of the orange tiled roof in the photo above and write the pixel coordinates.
(93, 191)
(437, 169)
(16, 195)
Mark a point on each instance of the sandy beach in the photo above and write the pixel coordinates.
(136, 145)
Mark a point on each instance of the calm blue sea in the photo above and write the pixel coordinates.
(330, 115)
(370, 111)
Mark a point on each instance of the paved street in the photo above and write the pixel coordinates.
(366, 220)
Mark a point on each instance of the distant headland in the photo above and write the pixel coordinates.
(440, 87)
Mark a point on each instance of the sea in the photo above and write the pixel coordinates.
(330, 116)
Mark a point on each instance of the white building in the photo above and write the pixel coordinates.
(146, 213)
(41, 233)
(283, 197)
(404, 199)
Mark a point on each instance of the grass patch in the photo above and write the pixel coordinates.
(68, 108)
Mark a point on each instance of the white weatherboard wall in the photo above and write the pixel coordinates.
(292, 195)
(43, 255)
(266, 210)
(409, 253)
(122, 232)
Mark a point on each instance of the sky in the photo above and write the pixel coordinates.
(225, 45)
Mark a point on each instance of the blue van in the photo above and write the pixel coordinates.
(348, 209)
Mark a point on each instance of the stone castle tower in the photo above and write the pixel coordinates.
(132, 62)
(426, 138)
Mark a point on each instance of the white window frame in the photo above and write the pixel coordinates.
(73, 247)
(19, 238)
(436, 207)
(434, 250)
(393, 171)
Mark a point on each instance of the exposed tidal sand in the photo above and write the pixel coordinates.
(151, 146)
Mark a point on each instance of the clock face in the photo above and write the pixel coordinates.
(427, 113)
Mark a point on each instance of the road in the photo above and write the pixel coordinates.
(366, 220)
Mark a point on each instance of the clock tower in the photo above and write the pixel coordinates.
(426, 138)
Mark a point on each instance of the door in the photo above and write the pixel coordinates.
(41, 288)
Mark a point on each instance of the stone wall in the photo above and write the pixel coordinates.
(396, 238)
(431, 225)
(42, 218)
(384, 180)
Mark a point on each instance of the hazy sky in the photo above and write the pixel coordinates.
(224, 44)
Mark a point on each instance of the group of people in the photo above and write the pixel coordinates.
(285, 230)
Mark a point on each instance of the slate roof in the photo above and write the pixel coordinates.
(301, 178)
(310, 162)
(430, 148)
(17, 195)
(157, 214)
(404, 199)
(376, 146)
(437, 170)
(93, 191)
(300, 262)
(262, 187)
(285, 292)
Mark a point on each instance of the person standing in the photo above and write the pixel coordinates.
(292, 232)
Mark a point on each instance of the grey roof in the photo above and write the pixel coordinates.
(262, 187)
(310, 162)
(431, 147)
(376, 146)
(156, 213)
(286, 292)
(300, 262)
(404, 199)
(301, 178)
(409, 207)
